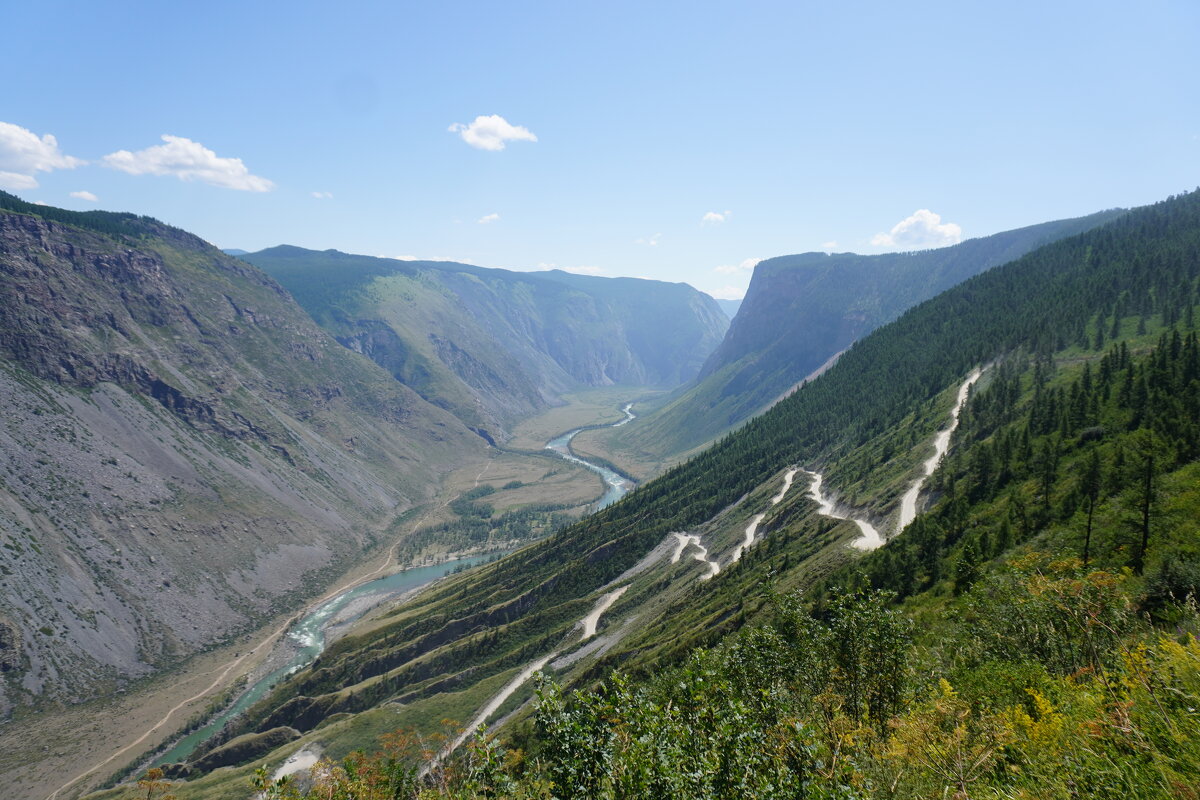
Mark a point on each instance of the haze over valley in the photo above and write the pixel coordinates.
(587, 402)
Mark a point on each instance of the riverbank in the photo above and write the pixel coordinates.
(617, 485)
(75, 748)
(305, 640)
(592, 407)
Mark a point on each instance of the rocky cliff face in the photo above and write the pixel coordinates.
(802, 310)
(182, 450)
(494, 345)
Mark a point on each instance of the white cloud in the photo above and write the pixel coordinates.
(729, 293)
(82, 195)
(716, 217)
(15, 181)
(650, 241)
(40, 203)
(23, 153)
(491, 132)
(188, 160)
(733, 269)
(488, 218)
(830, 245)
(921, 231)
(323, 195)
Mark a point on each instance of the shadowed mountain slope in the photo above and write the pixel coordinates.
(802, 310)
(184, 451)
(493, 345)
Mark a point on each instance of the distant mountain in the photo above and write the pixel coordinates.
(233, 251)
(802, 310)
(730, 307)
(186, 452)
(493, 345)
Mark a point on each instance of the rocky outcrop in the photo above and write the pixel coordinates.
(73, 308)
(185, 450)
(802, 310)
(10, 646)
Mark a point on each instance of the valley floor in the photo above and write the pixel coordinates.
(61, 753)
(600, 406)
(88, 743)
(612, 446)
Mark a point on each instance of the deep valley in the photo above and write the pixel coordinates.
(257, 521)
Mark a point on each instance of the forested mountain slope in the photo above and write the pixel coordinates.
(1056, 395)
(184, 451)
(867, 425)
(493, 345)
(802, 310)
(1034, 634)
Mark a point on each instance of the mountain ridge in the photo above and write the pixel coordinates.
(495, 344)
(802, 310)
(164, 400)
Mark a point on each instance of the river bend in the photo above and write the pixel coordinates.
(616, 486)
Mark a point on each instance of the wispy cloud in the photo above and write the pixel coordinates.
(487, 219)
(729, 293)
(649, 241)
(188, 161)
(15, 181)
(23, 154)
(323, 195)
(746, 265)
(83, 195)
(830, 245)
(922, 230)
(716, 217)
(491, 132)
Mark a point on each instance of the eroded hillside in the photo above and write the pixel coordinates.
(185, 451)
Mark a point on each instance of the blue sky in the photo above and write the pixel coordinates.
(677, 141)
